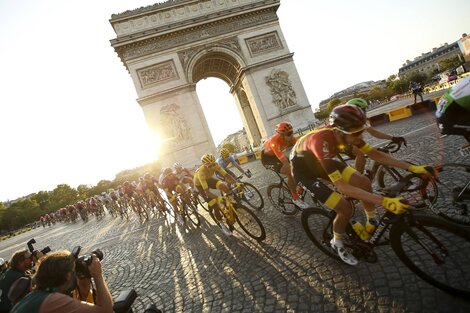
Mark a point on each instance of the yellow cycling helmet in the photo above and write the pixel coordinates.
(224, 153)
(208, 159)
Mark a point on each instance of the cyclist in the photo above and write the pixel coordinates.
(350, 150)
(453, 110)
(226, 159)
(170, 184)
(204, 180)
(185, 175)
(273, 155)
(313, 157)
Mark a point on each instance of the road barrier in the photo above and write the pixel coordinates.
(398, 114)
(404, 112)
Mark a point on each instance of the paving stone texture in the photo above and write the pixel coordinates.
(202, 270)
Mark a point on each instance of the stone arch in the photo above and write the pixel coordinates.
(215, 62)
(168, 47)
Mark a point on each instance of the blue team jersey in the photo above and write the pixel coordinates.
(224, 163)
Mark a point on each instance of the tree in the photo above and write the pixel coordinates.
(332, 104)
(62, 196)
(19, 213)
(449, 64)
(321, 115)
(83, 191)
(42, 198)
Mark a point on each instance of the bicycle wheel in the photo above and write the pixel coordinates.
(453, 202)
(202, 202)
(414, 193)
(318, 224)
(435, 250)
(192, 215)
(281, 199)
(250, 223)
(252, 196)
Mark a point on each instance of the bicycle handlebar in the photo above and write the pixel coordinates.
(390, 147)
(247, 173)
(406, 184)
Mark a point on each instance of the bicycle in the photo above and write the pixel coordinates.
(435, 250)
(385, 175)
(233, 211)
(246, 192)
(280, 196)
(187, 208)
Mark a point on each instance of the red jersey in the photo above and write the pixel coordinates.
(323, 146)
(276, 146)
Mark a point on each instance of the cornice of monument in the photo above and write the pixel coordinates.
(168, 93)
(135, 49)
(149, 8)
(173, 12)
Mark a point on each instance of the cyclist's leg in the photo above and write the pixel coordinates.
(356, 179)
(305, 172)
(212, 203)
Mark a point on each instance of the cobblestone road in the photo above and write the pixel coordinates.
(203, 270)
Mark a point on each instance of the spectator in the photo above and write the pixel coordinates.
(417, 90)
(20, 262)
(55, 278)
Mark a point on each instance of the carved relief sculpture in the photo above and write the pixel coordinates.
(281, 89)
(157, 73)
(263, 44)
(173, 125)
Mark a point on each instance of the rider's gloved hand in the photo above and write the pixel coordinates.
(422, 169)
(395, 205)
(399, 140)
(248, 174)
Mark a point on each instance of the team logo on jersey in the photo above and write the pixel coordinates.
(326, 148)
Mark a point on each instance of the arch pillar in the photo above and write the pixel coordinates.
(178, 117)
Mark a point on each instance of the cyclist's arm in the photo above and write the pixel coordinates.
(279, 154)
(383, 158)
(378, 134)
(226, 175)
(235, 163)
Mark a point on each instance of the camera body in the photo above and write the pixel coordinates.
(82, 262)
(34, 252)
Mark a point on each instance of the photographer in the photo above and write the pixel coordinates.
(55, 278)
(20, 262)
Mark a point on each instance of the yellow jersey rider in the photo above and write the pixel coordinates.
(204, 180)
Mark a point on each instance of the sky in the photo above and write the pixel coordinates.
(68, 109)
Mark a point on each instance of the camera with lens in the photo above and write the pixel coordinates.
(82, 262)
(35, 252)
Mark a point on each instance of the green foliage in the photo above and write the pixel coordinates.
(332, 104)
(104, 185)
(321, 114)
(62, 196)
(20, 213)
(449, 64)
(380, 94)
(83, 191)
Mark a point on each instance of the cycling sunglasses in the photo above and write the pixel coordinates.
(289, 133)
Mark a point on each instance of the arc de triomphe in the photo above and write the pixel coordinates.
(168, 47)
